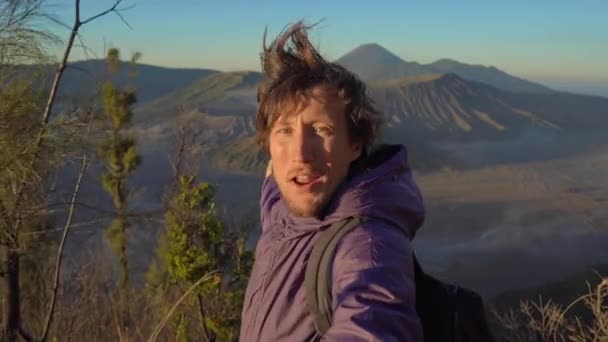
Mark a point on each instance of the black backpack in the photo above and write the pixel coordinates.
(448, 312)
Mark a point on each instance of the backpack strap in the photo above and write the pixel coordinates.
(317, 281)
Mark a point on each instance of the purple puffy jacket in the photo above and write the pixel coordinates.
(372, 274)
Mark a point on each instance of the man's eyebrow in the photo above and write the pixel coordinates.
(285, 120)
(281, 123)
(325, 118)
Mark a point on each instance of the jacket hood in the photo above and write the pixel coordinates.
(380, 185)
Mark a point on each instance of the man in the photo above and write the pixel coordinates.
(318, 125)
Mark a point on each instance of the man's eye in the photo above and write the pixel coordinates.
(323, 129)
(284, 130)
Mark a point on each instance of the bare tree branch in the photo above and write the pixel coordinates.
(77, 14)
(111, 9)
(123, 20)
(60, 70)
(66, 230)
(183, 155)
(85, 48)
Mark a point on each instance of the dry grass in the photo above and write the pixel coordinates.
(548, 321)
(87, 309)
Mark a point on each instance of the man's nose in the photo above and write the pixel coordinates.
(303, 147)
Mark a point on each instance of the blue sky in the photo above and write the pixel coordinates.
(549, 41)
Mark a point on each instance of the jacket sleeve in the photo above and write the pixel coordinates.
(373, 287)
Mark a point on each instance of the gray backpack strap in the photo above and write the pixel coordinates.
(317, 281)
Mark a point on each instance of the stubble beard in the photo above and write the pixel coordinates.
(312, 210)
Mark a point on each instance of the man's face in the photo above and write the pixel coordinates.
(311, 151)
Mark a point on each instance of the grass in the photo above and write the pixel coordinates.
(546, 320)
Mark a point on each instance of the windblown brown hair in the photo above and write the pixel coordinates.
(292, 66)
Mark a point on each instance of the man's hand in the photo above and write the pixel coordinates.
(269, 169)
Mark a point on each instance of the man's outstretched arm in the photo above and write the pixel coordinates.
(373, 287)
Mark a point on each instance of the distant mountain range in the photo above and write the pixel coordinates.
(372, 63)
(81, 78)
(424, 105)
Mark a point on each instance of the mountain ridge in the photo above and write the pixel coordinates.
(386, 66)
(440, 109)
(421, 104)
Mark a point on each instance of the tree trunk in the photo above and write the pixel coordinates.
(124, 295)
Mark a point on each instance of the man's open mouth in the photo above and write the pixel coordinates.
(306, 180)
